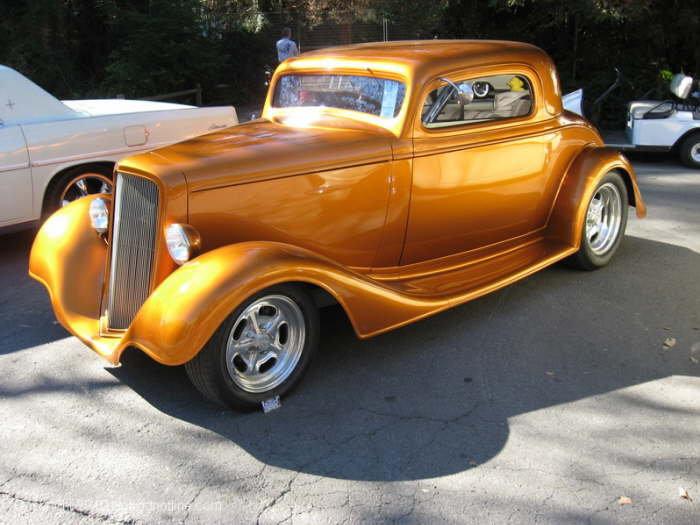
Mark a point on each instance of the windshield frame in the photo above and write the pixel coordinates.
(274, 92)
(395, 125)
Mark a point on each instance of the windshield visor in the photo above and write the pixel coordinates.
(377, 96)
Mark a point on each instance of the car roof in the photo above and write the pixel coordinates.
(421, 51)
(422, 60)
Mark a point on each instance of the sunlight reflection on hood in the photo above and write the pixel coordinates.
(303, 117)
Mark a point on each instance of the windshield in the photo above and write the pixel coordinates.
(377, 96)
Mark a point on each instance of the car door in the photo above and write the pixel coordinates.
(480, 170)
(15, 177)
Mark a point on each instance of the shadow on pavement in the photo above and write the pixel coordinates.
(26, 317)
(435, 398)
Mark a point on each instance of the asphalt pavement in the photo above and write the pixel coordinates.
(554, 400)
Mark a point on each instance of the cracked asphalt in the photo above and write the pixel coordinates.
(544, 402)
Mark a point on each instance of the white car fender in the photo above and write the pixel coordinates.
(15, 177)
(574, 101)
(40, 137)
(661, 132)
(56, 146)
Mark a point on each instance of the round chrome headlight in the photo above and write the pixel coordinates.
(183, 242)
(99, 215)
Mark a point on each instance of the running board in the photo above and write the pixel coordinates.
(485, 275)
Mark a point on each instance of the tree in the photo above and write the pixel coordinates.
(78, 48)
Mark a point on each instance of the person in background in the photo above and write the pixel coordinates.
(286, 47)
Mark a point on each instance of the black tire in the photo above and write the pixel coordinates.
(209, 369)
(95, 174)
(588, 257)
(690, 147)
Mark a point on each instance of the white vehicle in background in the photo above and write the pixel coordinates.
(656, 125)
(53, 151)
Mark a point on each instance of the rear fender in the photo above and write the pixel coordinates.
(580, 181)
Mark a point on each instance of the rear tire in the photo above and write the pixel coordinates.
(605, 223)
(260, 351)
(690, 151)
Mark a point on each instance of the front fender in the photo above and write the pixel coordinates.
(68, 257)
(582, 177)
(182, 314)
(184, 311)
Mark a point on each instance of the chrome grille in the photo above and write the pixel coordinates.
(133, 246)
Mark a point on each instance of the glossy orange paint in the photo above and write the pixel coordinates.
(395, 221)
(68, 258)
(590, 165)
(187, 307)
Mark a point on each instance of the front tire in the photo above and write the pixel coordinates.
(605, 223)
(690, 151)
(260, 351)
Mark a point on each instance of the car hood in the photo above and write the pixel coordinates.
(264, 149)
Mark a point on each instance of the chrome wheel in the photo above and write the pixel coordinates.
(695, 152)
(265, 343)
(83, 185)
(603, 218)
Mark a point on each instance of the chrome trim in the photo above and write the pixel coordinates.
(695, 152)
(265, 344)
(10, 167)
(135, 223)
(97, 154)
(603, 219)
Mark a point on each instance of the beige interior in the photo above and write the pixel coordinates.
(503, 103)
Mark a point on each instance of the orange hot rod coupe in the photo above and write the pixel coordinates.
(397, 179)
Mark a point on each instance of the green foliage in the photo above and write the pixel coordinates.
(423, 17)
(589, 38)
(140, 48)
(245, 57)
(665, 75)
(160, 49)
(56, 44)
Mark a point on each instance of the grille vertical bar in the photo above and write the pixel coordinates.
(133, 247)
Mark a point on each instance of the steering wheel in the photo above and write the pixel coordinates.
(481, 88)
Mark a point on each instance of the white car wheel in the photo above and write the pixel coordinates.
(690, 151)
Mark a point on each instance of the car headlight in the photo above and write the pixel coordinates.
(99, 215)
(183, 242)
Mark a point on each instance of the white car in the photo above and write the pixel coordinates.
(656, 125)
(53, 151)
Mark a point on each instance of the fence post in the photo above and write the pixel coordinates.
(198, 95)
(298, 32)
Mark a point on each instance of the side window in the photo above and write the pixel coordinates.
(494, 97)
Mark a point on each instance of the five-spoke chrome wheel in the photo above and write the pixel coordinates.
(265, 343)
(603, 218)
(261, 350)
(83, 185)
